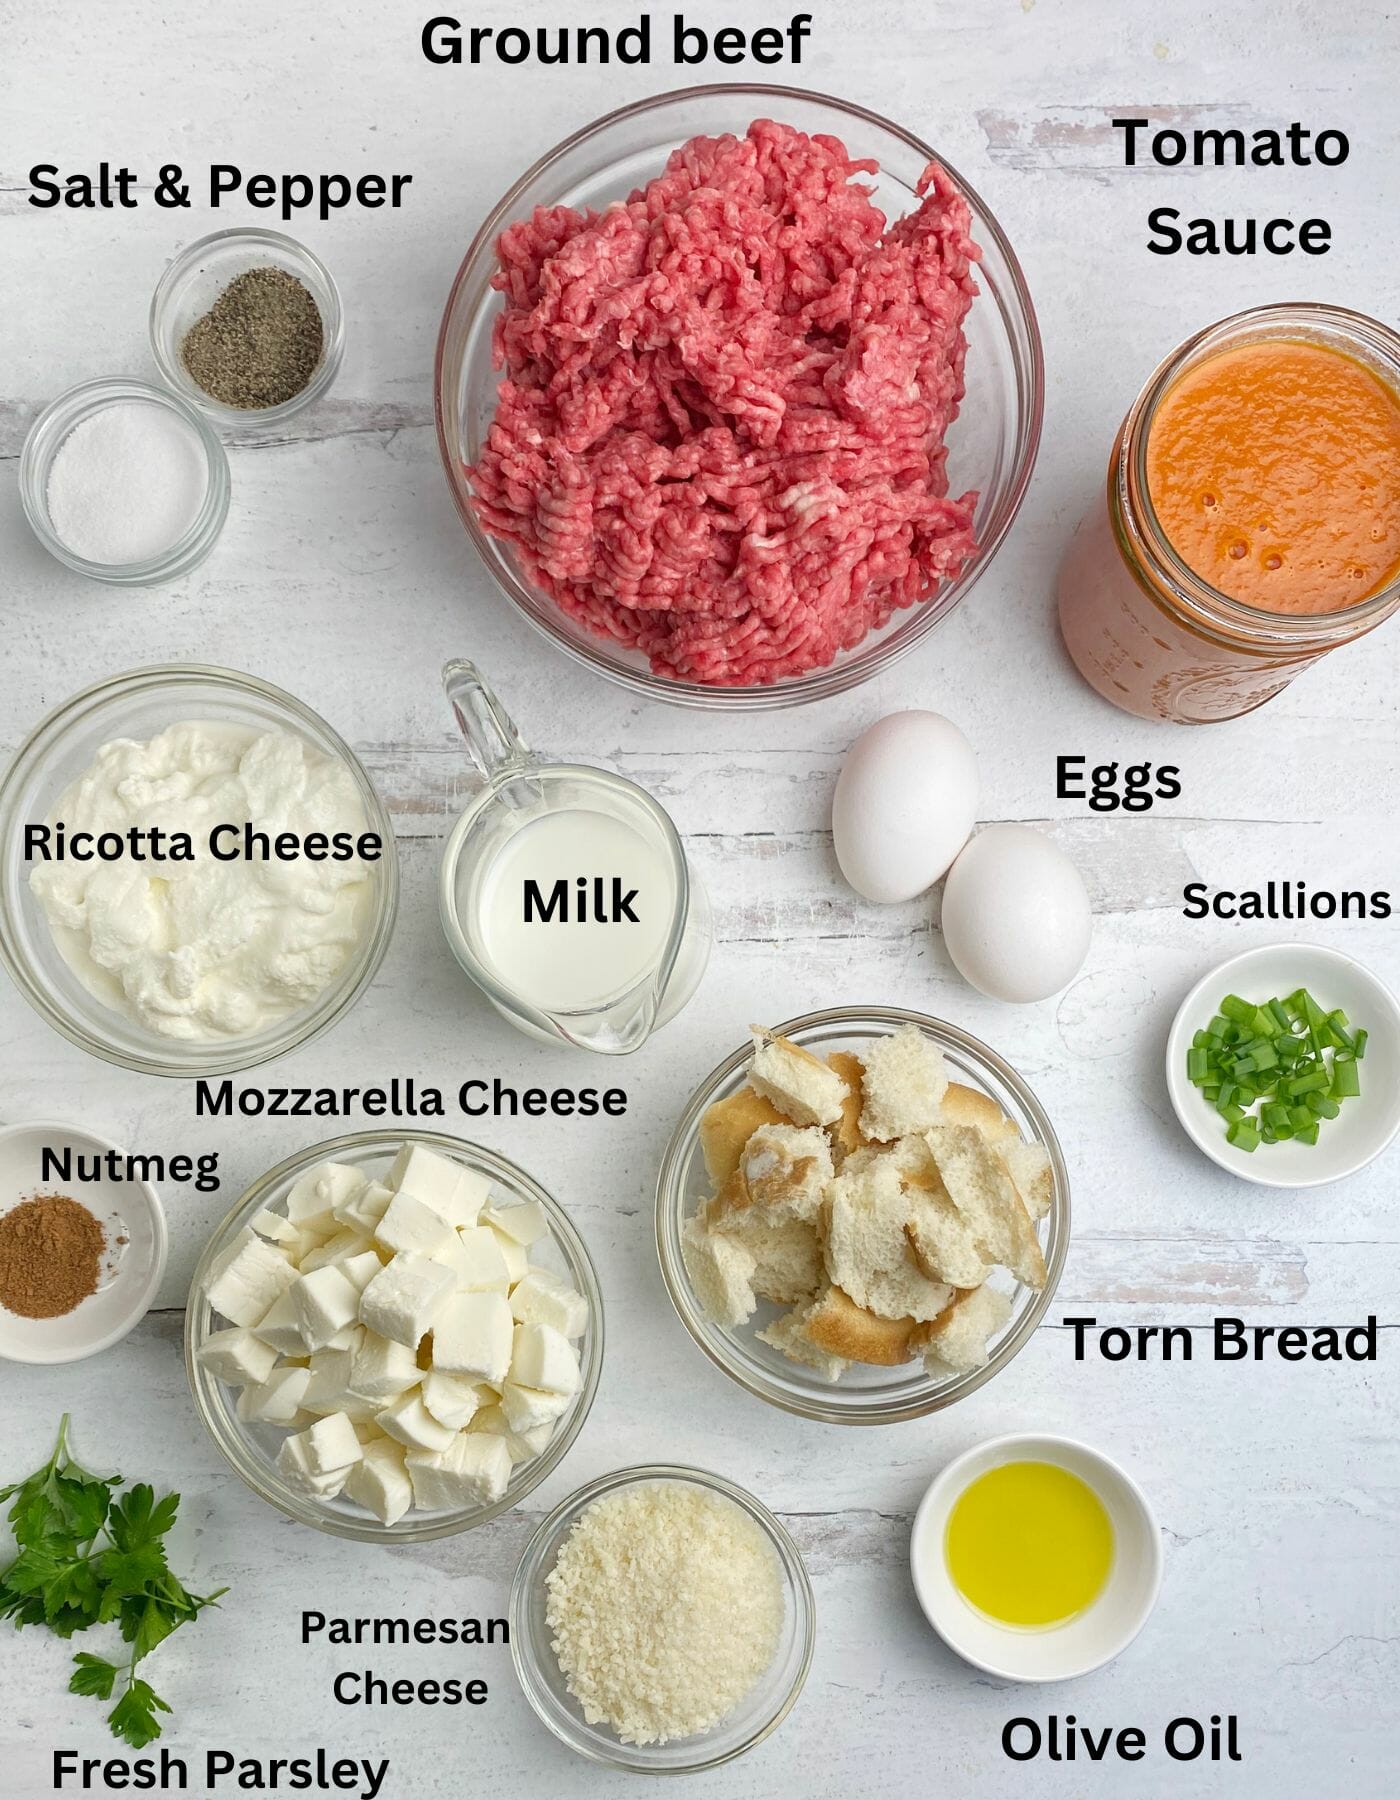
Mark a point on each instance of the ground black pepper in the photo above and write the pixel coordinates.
(260, 342)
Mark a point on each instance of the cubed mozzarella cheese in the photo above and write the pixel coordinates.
(361, 1268)
(238, 1356)
(544, 1298)
(526, 1222)
(473, 1470)
(331, 1444)
(473, 1335)
(246, 1287)
(295, 1467)
(411, 1424)
(379, 1482)
(410, 1225)
(484, 1264)
(311, 1203)
(522, 1446)
(451, 1254)
(325, 1302)
(276, 1401)
(381, 1370)
(405, 1297)
(273, 1226)
(516, 1261)
(329, 1389)
(363, 1211)
(336, 1248)
(244, 1235)
(281, 1327)
(453, 1399)
(544, 1358)
(437, 1182)
(529, 1408)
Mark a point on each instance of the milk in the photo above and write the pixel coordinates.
(573, 909)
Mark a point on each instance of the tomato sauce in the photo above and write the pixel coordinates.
(1274, 470)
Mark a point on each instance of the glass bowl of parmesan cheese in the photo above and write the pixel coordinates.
(198, 872)
(662, 1621)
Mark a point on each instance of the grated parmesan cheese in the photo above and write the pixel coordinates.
(666, 1604)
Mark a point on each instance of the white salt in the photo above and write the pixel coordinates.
(126, 483)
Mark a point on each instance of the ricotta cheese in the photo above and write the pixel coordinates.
(207, 949)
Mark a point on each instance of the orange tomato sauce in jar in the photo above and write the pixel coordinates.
(1274, 471)
(1250, 522)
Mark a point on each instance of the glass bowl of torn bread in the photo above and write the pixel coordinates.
(862, 1215)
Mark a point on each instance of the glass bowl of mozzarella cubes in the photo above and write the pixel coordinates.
(394, 1336)
(862, 1215)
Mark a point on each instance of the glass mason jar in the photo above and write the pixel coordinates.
(1149, 633)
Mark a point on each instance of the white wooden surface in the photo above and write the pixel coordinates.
(345, 576)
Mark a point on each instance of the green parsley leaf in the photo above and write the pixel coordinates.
(86, 1504)
(93, 1676)
(155, 1624)
(86, 1556)
(133, 1718)
(127, 1572)
(33, 1514)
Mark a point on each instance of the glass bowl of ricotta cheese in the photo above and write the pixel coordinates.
(198, 873)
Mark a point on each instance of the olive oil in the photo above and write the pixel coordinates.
(1029, 1544)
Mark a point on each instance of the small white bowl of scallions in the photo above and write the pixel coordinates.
(1283, 1065)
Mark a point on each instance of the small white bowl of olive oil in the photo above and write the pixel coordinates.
(1036, 1558)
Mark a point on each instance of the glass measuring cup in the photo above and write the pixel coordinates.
(565, 893)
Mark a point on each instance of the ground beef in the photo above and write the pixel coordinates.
(719, 433)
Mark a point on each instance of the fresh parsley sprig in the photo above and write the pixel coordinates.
(87, 1556)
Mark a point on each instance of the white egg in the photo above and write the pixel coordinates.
(1016, 917)
(905, 803)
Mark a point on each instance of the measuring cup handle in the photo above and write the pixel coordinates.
(491, 736)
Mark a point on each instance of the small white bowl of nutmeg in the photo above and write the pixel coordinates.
(82, 1243)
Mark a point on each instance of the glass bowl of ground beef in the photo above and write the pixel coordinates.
(738, 392)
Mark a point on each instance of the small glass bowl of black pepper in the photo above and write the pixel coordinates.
(247, 325)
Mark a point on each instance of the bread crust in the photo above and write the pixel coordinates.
(846, 1132)
(969, 1106)
(725, 1128)
(835, 1323)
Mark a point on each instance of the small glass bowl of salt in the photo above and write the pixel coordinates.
(124, 482)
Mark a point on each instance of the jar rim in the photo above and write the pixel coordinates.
(1143, 539)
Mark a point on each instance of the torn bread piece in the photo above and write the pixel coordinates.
(727, 1126)
(904, 1082)
(868, 1252)
(721, 1270)
(1029, 1167)
(784, 1245)
(835, 1324)
(1027, 1164)
(983, 1192)
(787, 1335)
(960, 1339)
(846, 1133)
(801, 1086)
(944, 1244)
(969, 1106)
(786, 1168)
(787, 1257)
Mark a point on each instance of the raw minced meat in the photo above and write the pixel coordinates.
(719, 436)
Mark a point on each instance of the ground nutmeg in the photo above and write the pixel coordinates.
(50, 1256)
